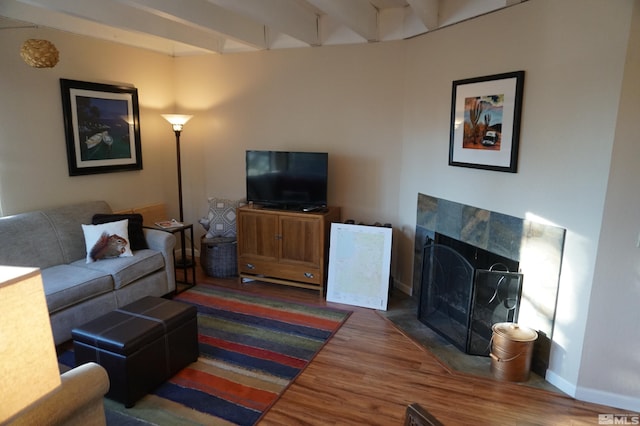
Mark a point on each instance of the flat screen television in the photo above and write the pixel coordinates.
(287, 180)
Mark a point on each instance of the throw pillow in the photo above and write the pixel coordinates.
(107, 240)
(136, 232)
(221, 218)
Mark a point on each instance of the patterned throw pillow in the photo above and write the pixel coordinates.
(107, 240)
(221, 218)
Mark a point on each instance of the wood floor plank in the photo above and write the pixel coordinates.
(369, 372)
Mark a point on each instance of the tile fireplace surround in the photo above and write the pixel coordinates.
(536, 246)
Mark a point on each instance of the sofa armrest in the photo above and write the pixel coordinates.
(78, 401)
(163, 242)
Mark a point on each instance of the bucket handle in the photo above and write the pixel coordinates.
(504, 360)
(499, 359)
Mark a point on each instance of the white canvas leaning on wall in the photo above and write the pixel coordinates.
(359, 265)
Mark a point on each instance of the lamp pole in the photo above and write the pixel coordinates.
(177, 132)
(177, 122)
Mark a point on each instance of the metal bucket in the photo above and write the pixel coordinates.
(511, 351)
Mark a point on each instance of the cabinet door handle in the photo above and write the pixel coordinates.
(308, 275)
(278, 237)
(250, 266)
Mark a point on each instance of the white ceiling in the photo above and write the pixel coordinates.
(189, 27)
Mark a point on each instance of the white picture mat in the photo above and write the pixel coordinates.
(359, 265)
(502, 158)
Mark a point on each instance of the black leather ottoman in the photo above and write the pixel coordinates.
(141, 345)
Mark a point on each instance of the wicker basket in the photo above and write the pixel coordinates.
(219, 257)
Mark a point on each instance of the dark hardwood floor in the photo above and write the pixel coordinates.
(369, 373)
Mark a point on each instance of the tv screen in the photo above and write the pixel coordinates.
(287, 180)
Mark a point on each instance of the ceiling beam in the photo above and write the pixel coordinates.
(427, 11)
(21, 11)
(290, 17)
(199, 26)
(124, 17)
(204, 16)
(358, 15)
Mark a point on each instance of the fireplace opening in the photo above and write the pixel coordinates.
(465, 290)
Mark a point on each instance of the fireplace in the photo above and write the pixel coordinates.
(535, 247)
(465, 290)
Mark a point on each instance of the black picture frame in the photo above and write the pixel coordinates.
(485, 122)
(102, 127)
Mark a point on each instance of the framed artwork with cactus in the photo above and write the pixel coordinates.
(485, 122)
(102, 127)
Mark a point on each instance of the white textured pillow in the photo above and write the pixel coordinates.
(221, 218)
(107, 240)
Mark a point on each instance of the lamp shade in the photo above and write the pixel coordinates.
(177, 120)
(39, 53)
(28, 363)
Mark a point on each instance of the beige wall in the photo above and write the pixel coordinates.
(382, 112)
(613, 316)
(33, 162)
(342, 100)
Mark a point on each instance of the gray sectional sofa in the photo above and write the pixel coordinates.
(76, 291)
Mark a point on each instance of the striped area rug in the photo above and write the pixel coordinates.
(251, 349)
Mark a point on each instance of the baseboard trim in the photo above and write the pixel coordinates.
(607, 398)
(561, 383)
(403, 287)
(595, 396)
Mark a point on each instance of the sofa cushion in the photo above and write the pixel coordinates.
(28, 239)
(107, 240)
(126, 270)
(66, 221)
(136, 232)
(69, 285)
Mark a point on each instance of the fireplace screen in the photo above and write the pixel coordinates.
(445, 301)
(496, 298)
(465, 290)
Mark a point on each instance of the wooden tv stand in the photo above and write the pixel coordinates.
(283, 246)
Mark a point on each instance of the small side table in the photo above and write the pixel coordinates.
(183, 263)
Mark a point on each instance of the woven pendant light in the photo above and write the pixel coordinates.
(39, 53)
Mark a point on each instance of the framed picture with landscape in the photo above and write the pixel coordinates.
(102, 127)
(485, 122)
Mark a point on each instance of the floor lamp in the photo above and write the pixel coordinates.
(177, 123)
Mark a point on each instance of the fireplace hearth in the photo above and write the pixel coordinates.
(465, 290)
(534, 246)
